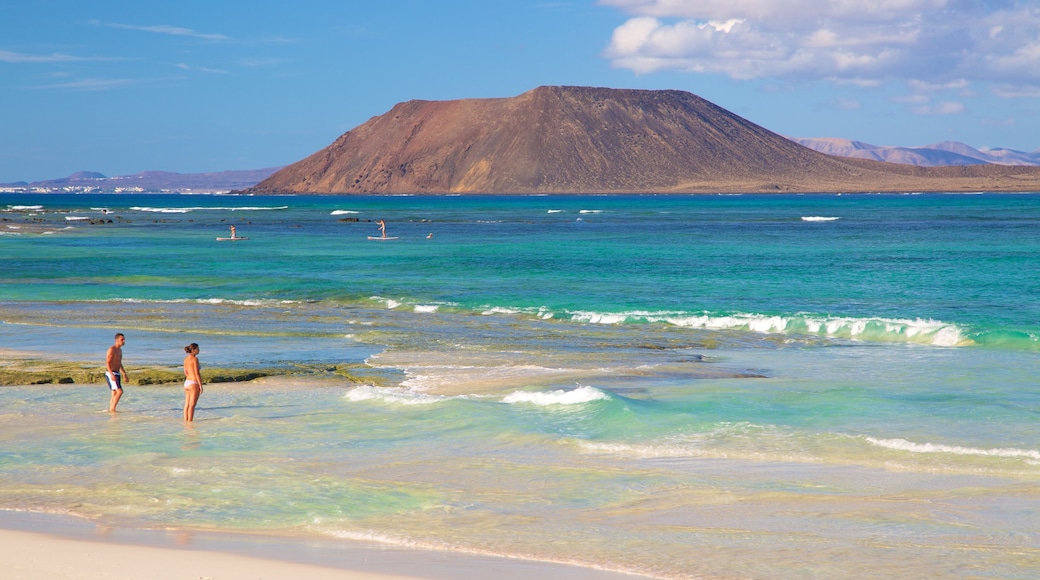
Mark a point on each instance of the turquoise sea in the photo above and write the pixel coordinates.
(828, 386)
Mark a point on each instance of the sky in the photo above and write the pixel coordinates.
(121, 87)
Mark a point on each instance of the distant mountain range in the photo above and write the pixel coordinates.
(557, 139)
(945, 153)
(161, 181)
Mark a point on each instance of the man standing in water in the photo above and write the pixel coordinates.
(114, 371)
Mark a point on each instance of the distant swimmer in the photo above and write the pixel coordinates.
(429, 235)
(233, 234)
(192, 381)
(382, 228)
(114, 371)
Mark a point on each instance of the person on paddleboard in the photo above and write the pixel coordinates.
(382, 228)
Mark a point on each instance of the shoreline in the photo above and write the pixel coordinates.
(41, 545)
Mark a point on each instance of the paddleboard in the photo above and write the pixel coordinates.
(379, 238)
(230, 239)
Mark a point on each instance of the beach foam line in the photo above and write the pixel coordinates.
(343, 212)
(909, 446)
(693, 450)
(579, 396)
(533, 566)
(396, 396)
(199, 208)
(212, 301)
(922, 331)
(817, 218)
(871, 329)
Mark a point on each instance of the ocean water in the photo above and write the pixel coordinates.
(829, 386)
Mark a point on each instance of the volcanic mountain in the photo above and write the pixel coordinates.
(596, 140)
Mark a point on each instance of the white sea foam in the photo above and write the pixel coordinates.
(343, 212)
(191, 209)
(393, 395)
(555, 211)
(581, 395)
(904, 445)
(162, 209)
(215, 301)
(248, 302)
(465, 375)
(817, 218)
(75, 218)
(694, 450)
(601, 317)
(500, 310)
(922, 331)
(24, 207)
(591, 211)
(426, 308)
(390, 303)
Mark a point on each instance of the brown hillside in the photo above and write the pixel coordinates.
(596, 140)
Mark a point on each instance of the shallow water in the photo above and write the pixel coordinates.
(673, 386)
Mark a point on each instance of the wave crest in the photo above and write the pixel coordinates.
(933, 332)
(393, 395)
(579, 396)
(910, 446)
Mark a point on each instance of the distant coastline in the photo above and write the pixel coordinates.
(145, 182)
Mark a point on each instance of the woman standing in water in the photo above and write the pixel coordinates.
(192, 381)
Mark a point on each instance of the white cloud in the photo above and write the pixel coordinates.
(913, 99)
(926, 86)
(1011, 91)
(92, 84)
(846, 104)
(18, 57)
(1009, 122)
(185, 66)
(937, 44)
(943, 108)
(259, 62)
(165, 29)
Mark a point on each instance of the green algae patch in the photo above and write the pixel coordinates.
(37, 372)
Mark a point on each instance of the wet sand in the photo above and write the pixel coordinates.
(55, 547)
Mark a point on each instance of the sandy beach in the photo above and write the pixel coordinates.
(38, 546)
(31, 555)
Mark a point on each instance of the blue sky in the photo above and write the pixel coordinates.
(191, 86)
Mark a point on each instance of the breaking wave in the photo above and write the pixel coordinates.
(577, 396)
(919, 330)
(911, 447)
